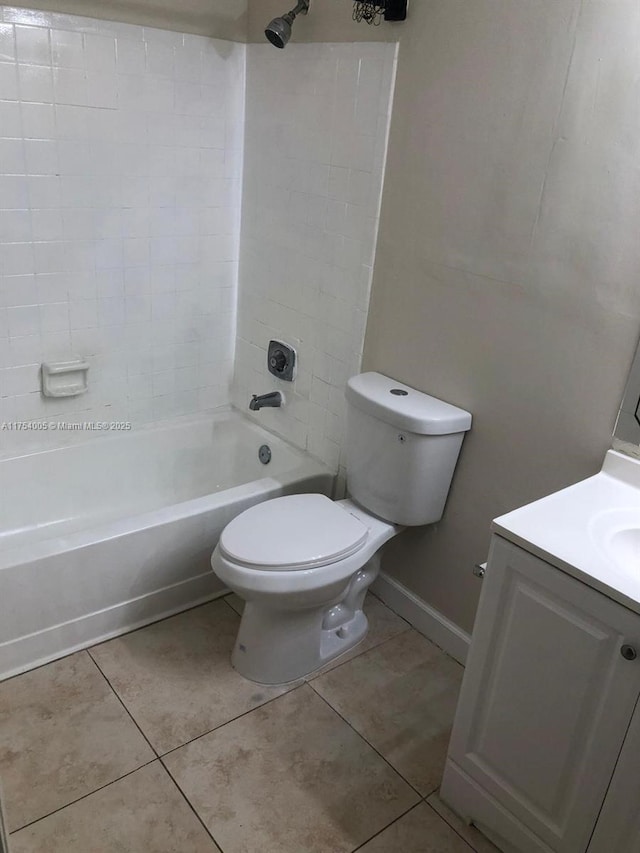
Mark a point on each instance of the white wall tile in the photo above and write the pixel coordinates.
(311, 199)
(32, 45)
(107, 180)
(8, 81)
(35, 83)
(7, 43)
(120, 187)
(67, 49)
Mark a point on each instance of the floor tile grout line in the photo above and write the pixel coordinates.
(411, 625)
(384, 828)
(311, 677)
(65, 655)
(216, 597)
(120, 700)
(232, 720)
(388, 606)
(84, 796)
(275, 698)
(353, 728)
(190, 804)
(453, 829)
(160, 756)
(431, 793)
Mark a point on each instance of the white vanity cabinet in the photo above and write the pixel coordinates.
(538, 758)
(618, 827)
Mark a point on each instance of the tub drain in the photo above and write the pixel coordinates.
(264, 454)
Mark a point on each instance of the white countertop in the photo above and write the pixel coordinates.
(574, 529)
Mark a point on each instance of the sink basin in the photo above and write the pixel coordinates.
(616, 533)
(624, 547)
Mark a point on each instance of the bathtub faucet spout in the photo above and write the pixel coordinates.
(259, 402)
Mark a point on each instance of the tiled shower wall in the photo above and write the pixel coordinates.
(317, 118)
(120, 172)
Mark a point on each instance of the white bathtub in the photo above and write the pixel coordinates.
(114, 533)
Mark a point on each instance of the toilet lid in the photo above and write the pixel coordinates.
(294, 532)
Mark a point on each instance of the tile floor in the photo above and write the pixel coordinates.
(151, 743)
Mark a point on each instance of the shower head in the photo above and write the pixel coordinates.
(279, 30)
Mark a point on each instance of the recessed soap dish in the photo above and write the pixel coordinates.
(64, 378)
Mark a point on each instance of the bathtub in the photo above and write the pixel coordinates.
(104, 536)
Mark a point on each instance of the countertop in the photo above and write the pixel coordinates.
(573, 529)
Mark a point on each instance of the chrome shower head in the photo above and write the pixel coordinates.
(279, 30)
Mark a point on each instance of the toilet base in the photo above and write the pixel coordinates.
(276, 646)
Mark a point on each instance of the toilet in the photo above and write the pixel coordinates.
(303, 563)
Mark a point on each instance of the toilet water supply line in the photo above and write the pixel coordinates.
(343, 612)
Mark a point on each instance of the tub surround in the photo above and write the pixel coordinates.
(119, 220)
(317, 119)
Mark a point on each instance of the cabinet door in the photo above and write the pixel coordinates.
(547, 696)
(618, 827)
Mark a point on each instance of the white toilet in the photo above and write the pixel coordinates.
(303, 563)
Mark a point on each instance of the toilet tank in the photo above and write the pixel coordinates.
(402, 448)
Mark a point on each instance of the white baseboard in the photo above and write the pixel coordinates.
(424, 618)
(33, 650)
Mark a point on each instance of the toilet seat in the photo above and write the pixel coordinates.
(292, 533)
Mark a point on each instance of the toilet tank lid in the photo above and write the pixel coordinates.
(404, 407)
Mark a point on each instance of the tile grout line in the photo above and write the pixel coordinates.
(275, 698)
(413, 628)
(224, 598)
(160, 756)
(360, 735)
(232, 720)
(385, 828)
(312, 677)
(191, 806)
(129, 714)
(117, 637)
(83, 797)
(453, 829)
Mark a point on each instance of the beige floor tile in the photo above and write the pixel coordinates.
(143, 813)
(235, 602)
(62, 735)
(289, 777)
(175, 676)
(473, 837)
(401, 696)
(419, 831)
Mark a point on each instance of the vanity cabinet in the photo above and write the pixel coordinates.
(618, 826)
(545, 750)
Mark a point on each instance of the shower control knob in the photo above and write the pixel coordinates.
(628, 653)
(278, 360)
(281, 360)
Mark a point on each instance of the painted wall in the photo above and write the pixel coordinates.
(120, 170)
(506, 275)
(317, 118)
(222, 19)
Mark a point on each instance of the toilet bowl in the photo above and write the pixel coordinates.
(303, 563)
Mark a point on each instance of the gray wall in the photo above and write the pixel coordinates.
(506, 276)
(223, 19)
